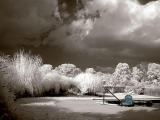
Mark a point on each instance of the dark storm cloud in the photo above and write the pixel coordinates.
(145, 1)
(21, 19)
(36, 22)
(102, 32)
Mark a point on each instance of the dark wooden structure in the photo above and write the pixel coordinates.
(137, 100)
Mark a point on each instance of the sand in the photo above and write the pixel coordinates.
(80, 108)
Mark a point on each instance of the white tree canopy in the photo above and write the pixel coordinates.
(153, 72)
(122, 74)
(69, 70)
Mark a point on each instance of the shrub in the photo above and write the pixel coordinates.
(54, 83)
(26, 76)
(90, 70)
(135, 89)
(69, 70)
(23, 73)
(88, 83)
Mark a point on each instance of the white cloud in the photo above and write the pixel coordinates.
(129, 21)
(81, 28)
(150, 11)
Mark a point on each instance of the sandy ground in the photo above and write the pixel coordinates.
(80, 108)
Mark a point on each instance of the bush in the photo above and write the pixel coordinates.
(69, 70)
(139, 89)
(88, 83)
(23, 73)
(26, 76)
(54, 84)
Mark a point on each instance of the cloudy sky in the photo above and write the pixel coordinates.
(87, 33)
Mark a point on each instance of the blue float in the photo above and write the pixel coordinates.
(127, 101)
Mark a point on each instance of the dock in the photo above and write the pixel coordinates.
(136, 98)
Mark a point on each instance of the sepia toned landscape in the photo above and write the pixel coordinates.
(79, 60)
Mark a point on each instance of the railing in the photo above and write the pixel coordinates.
(116, 89)
(111, 89)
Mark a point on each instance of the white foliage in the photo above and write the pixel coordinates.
(23, 72)
(26, 74)
(109, 79)
(46, 68)
(69, 70)
(154, 74)
(137, 76)
(56, 82)
(90, 70)
(153, 71)
(88, 82)
(122, 74)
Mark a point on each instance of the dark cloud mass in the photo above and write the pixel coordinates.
(83, 32)
(145, 1)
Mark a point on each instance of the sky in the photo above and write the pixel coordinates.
(87, 33)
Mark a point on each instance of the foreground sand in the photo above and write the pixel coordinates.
(79, 108)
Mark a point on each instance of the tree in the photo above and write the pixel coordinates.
(154, 73)
(69, 70)
(122, 74)
(90, 70)
(46, 68)
(108, 78)
(137, 75)
(143, 67)
(136, 81)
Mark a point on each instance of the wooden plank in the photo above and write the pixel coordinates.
(114, 86)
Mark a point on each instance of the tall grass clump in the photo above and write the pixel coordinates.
(89, 83)
(27, 76)
(23, 74)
